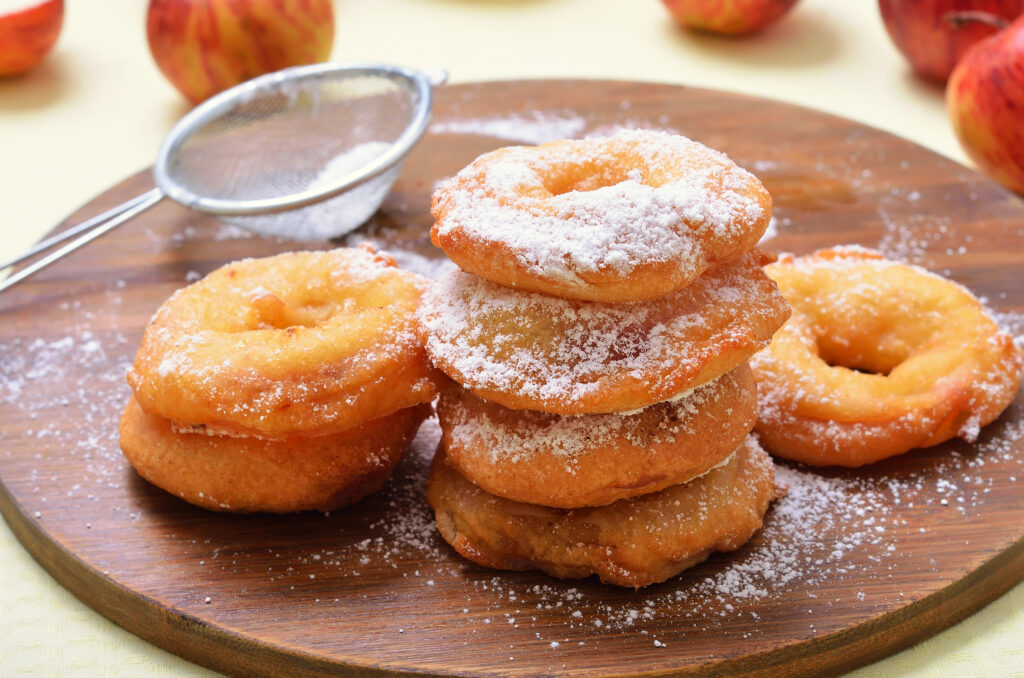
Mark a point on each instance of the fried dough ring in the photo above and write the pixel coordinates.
(629, 217)
(632, 542)
(878, 358)
(595, 459)
(529, 351)
(243, 475)
(299, 344)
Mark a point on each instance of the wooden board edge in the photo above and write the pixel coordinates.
(233, 654)
(887, 634)
(172, 630)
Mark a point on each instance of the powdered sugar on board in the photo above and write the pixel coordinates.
(42, 379)
(538, 127)
(831, 536)
(532, 127)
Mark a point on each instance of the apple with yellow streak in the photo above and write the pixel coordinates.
(727, 17)
(985, 96)
(935, 34)
(206, 46)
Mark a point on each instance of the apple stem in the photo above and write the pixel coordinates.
(960, 19)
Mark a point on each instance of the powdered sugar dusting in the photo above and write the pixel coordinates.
(214, 353)
(811, 551)
(532, 127)
(538, 127)
(40, 379)
(709, 205)
(333, 216)
(811, 403)
(909, 238)
(550, 349)
(565, 438)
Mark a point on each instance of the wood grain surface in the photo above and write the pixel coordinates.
(851, 565)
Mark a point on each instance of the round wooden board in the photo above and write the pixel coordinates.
(851, 565)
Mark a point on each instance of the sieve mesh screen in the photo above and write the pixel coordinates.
(278, 142)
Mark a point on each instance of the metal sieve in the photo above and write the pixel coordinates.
(306, 153)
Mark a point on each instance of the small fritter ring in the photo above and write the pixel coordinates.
(633, 542)
(295, 345)
(529, 351)
(629, 217)
(595, 459)
(878, 358)
(243, 475)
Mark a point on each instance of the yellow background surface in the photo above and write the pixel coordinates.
(97, 109)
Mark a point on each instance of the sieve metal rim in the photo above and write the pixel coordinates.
(221, 103)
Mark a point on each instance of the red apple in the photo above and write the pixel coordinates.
(985, 97)
(727, 17)
(931, 37)
(27, 33)
(205, 46)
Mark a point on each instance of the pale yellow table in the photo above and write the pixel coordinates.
(97, 110)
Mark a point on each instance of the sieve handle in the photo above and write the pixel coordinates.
(91, 228)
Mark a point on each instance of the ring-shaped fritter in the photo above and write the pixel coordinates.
(878, 358)
(633, 542)
(629, 217)
(595, 459)
(289, 346)
(530, 351)
(244, 475)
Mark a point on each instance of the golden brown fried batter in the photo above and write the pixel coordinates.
(629, 217)
(632, 542)
(244, 475)
(595, 459)
(529, 351)
(878, 358)
(295, 345)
